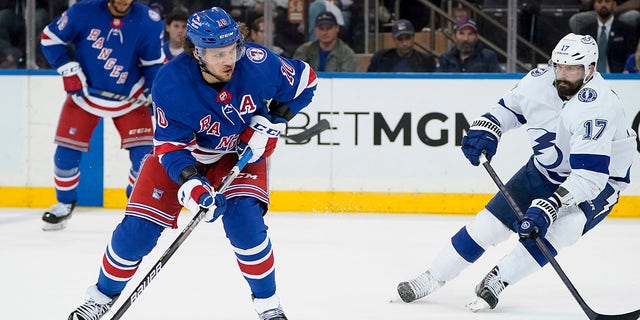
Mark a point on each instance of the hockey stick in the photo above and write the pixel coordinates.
(307, 134)
(180, 239)
(111, 95)
(545, 251)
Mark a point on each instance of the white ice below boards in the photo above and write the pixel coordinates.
(329, 266)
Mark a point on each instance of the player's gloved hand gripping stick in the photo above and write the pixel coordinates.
(180, 239)
(633, 315)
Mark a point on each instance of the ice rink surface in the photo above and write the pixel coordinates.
(329, 266)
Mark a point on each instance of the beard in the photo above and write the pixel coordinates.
(604, 13)
(116, 9)
(568, 89)
(465, 47)
(221, 77)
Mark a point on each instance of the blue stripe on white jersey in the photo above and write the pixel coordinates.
(591, 162)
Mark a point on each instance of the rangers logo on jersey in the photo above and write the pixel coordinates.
(256, 55)
(157, 194)
(154, 15)
(62, 22)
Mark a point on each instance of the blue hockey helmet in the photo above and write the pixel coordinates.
(213, 28)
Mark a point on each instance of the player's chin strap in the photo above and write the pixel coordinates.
(203, 68)
(633, 315)
(587, 77)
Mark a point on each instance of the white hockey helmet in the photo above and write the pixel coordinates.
(576, 49)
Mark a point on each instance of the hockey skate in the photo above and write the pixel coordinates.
(94, 307)
(56, 218)
(419, 287)
(269, 308)
(488, 291)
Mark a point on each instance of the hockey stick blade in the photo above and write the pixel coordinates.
(634, 315)
(180, 239)
(305, 135)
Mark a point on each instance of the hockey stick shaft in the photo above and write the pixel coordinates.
(180, 239)
(309, 133)
(547, 254)
(111, 95)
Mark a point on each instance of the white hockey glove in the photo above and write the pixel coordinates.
(261, 137)
(196, 193)
(73, 79)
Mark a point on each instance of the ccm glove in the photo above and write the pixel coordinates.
(483, 135)
(536, 221)
(261, 137)
(196, 193)
(73, 78)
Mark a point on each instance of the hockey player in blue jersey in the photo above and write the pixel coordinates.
(582, 149)
(117, 49)
(210, 107)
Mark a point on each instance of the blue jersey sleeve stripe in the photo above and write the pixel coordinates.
(591, 162)
(520, 117)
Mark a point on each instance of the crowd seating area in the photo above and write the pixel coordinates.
(539, 22)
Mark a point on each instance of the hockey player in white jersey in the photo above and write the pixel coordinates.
(582, 153)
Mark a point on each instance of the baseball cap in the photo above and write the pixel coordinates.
(401, 27)
(465, 22)
(326, 17)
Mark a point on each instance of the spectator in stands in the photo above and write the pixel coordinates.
(412, 10)
(318, 6)
(176, 26)
(199, 5)
(8, 57)
(287, 35)
(633, 62)
(12, 27)
(616, 39)
(327, 53)
(248, 10)
(403, 57)
(257, 35)
(468, 55)
(626, 11)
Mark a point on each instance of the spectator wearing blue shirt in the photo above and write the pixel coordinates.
(327, 53)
